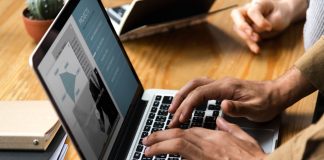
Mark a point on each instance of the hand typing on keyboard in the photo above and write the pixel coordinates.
(199, 143)
(257, 101)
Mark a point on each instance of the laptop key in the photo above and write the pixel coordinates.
(202, 107)
(174, 155)
(149, 122)
(168, 122)
(119, 10)
(172, 158)
(147, 158)
(158, 98)
(158, 125)
(210, 119)
(163, 113)
(167, 99)
(144, 134)
(196, 125)
(215, 113)
(184, 126)
(164, 106)
(156, 129)
(137, 155)
(197, 119)
(140, 141)
(156, 103)
(147, 128)
(199, 113)
(161, 156)
(139, 148)
(154, 109)
(210, 125)
(170, 116)
(152, 115)
(212, 107)
(218, 102)
(160, 119)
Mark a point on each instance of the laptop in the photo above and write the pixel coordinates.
(145, 17)
(97, 95)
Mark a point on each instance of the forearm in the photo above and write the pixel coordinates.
(291, 87)
(297, 9)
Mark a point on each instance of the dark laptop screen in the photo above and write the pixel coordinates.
(89, 78)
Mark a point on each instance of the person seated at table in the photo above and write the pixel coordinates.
(261, 19)
(256, 100)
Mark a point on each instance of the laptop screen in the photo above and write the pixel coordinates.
(89, 78)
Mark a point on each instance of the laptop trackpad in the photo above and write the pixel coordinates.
(265, 137)
(265, 133)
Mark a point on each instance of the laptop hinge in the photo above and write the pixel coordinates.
(128, 131)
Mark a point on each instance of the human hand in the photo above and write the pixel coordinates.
(229, 142)
(257, 101)
(263, 19)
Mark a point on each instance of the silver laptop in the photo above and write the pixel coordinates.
(98, 96)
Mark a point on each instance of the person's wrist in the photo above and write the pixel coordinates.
(290, 87)
(282, 92)
(275, 90)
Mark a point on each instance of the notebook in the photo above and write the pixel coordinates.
(27, 125)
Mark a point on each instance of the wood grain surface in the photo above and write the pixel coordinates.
(167, 60)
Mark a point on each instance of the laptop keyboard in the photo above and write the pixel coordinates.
(203, 116)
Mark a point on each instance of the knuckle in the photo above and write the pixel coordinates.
(252, 10)
(193, 129)
(195, 82)
(198, 81)
(198, 90)
(152, 136)
(197, 94)
(221, 134)
(228, 79)
(179, 95)
(178, 132)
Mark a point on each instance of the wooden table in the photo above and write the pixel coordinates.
(167, 60)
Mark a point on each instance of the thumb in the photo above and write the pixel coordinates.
(234, 130)
(235, 108)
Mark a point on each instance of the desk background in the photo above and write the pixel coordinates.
(167, 60)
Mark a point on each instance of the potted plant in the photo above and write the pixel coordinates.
(39, 15)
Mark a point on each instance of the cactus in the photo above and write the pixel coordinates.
(44, 9)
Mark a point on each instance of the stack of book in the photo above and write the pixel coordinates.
(30, 130)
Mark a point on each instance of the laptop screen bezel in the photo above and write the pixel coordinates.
(45, 44)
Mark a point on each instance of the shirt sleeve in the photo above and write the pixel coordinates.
(308, 144)
(311, 64)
